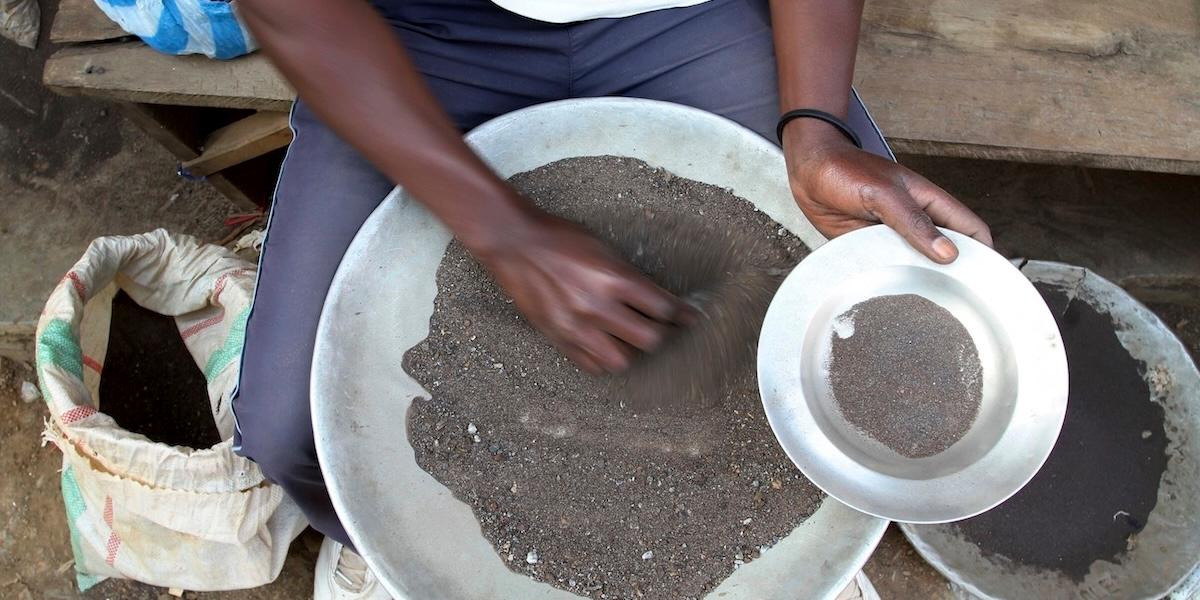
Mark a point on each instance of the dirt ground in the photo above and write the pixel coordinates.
(72, 169)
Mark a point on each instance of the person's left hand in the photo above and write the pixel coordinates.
(841, 188)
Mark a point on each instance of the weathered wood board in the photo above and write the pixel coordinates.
(240, 141)
(1073, 82)
(81, 21)
(1108, 84)
(133, 72)
(162, 124)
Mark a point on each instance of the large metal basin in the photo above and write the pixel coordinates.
(1168, 549)
(422, 542)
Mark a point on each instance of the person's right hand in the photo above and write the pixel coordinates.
(592, 305)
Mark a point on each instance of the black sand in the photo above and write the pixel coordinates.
(909, 376)
(570, 487)
(1101, 481)
(150, 384)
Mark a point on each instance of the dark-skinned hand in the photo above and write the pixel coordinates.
(593, 306)
(841, 188)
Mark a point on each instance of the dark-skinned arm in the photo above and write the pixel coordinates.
(838, 186)
(348, 65)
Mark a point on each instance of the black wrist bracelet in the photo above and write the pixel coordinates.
(820, 115)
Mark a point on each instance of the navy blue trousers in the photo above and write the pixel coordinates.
(481, 62)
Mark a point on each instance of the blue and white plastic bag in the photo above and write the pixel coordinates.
(208, 27)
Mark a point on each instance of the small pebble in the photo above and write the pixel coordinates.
(476, 439)
(1145, 434)
(29, 392)
(532, 558)
(471, 429)
(747, 521)
(647, 555)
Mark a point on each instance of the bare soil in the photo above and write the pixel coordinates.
(73, 169)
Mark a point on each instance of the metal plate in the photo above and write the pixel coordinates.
(1024, 377)
(422, 542)
(1169, 546)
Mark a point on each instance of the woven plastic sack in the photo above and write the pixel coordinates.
(19, 21)
(208, 27)
(203, 519)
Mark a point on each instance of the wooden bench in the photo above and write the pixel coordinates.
(225, 121)
(1113, 84)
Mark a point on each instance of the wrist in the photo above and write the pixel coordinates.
(497, 225)
(812, 133)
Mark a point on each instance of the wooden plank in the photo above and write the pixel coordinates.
(175, 134)
(1049, 157)
(82, 21)
(240, 141)
(132, 72)
(1109, 84)
(1069, 82)
(17, 340)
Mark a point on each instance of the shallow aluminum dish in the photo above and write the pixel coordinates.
(1169, 546)
(422, 542)
(1024, 377)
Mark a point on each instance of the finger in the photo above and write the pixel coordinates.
(652, 301)
(609, 353)
(631, 326)
(895, 207)
(947, 211)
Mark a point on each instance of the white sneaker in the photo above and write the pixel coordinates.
(343, 575)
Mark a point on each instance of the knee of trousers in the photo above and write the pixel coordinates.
(276, 432)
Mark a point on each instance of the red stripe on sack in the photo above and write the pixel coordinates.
(78, 283)
(218, 287)
(92, 364)
(114, 546)
(78, 413)
(108, 511)
(202, 325)
(222, 280)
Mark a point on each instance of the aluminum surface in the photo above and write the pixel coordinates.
(422, 542)
(1168, 549)
(1024, 377)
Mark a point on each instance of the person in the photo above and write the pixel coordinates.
(386, 90)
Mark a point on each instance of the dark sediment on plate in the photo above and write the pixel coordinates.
(1101, 481)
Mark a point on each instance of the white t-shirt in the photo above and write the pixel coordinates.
(569, 11)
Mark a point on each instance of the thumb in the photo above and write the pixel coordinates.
(898, 210)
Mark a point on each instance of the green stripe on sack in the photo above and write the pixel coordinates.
(73, 499)
(58, 347)
(231, 349)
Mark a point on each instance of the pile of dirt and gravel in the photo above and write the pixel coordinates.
(570, 485)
